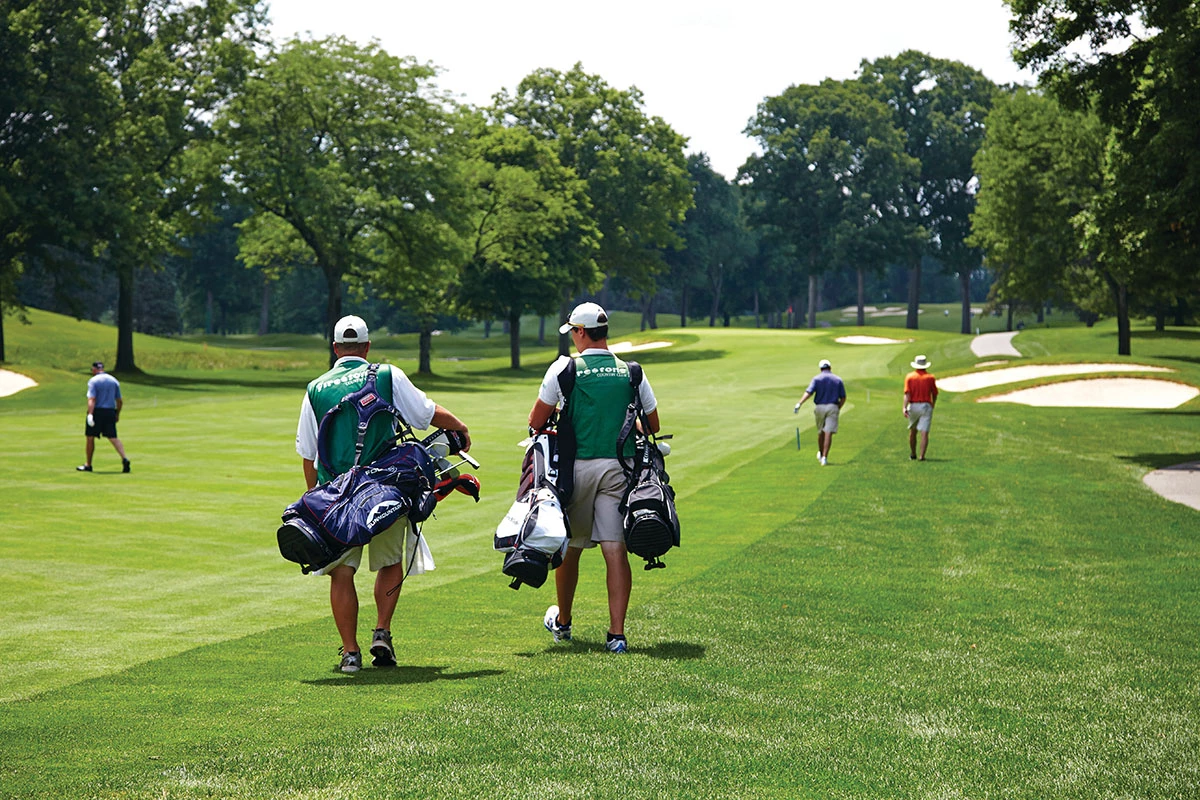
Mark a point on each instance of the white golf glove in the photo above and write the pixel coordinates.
(796, 410)
(91, 420)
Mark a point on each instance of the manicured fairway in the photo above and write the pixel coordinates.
(1016, 617)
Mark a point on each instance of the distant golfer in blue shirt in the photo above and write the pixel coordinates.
(829, 395)
(103, 411)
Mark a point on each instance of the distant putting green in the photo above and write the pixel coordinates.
(1015, 617)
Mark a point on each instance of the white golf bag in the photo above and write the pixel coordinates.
(534, 533)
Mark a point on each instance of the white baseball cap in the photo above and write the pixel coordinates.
(585, 315)
(350, 329)
(824, 364)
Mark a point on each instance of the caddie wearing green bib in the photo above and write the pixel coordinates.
(351, 341)
(596, 408)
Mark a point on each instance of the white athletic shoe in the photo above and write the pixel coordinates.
(561, 633)
(822, 461)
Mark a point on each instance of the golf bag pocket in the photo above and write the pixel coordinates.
(307, 545)
(651, 524)
(534, 533)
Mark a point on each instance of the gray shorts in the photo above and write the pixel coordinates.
(594, 511)
(826, 416)
(920, 416)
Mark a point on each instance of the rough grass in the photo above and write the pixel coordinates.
(1016, 617)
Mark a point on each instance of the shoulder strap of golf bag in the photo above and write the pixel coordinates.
(633, 414)
(366, 403)
(565, 484)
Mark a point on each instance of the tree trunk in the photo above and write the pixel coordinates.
(1010, 316)
(649, 313)
(208, 312)
(757, 323)
(1181, 309)
(862, 298)
(425, 349)
(564, 311)
(812, 301)
(683, 309)
(726, 319)
(1121, 297)
(2, 357)
(964, 285)
(1160, 319)
(914, 295)
(1041, 317)
(264, 311)
(541, 331)
(333, 307)
(514, 339)
(715, 285)
(125, 362)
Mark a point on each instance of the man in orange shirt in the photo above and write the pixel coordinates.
(920, 396)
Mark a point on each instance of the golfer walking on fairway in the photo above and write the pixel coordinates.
(920, 396)
(351, 341)
(103, 410)
(829, 395)
(596, 410)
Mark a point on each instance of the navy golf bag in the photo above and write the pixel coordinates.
(405, 480)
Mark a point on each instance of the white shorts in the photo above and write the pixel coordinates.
(386, 549)
(826, 416)
(920, 415)
(594, 511)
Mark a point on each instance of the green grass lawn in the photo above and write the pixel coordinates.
(1016, 617)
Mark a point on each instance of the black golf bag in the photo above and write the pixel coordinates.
(651, 523)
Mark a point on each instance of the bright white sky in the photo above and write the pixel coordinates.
(703, 66)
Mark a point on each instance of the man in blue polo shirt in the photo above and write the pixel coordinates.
(829, 395)
(103, 411)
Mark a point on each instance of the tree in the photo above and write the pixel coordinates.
(350, 146)
(831, 159)
(53, 109)
(717, 241)
(941, 106)
(634, 166)
(172, 64)
(527, 201)
(1039, 169)
(1133, 62)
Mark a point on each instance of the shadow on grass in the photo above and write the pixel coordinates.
(1160, 460)
(200, 382)
(1188, 359)
(667, 651)
(1173, 333)
(401, 675)
(668, 356)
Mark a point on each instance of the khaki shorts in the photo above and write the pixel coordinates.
(386, 549)
(826, 416)
(920, 416)
(594, 511)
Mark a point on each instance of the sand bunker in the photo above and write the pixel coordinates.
(999, 377)
(994, 344)
(1102, 393)
(13, 382)
(869, 340)
(1180, 483)
(630, 347)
